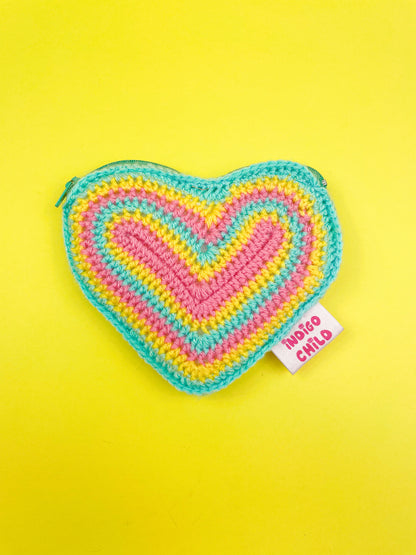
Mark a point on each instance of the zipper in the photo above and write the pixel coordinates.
(140, 163)
(145, 163)
(320, 178)
(68, 187)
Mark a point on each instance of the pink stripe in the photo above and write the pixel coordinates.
(201, 298)
(162, 328)
(159, 324)
(192, 220)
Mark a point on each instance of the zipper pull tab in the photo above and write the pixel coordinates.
(318, 176)
(68, 187)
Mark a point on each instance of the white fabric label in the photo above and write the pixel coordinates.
(311, 334)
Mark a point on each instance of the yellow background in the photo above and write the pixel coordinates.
(98, 454)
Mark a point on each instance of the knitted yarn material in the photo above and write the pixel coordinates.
(202, 276)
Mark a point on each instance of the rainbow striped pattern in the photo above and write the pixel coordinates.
(202, 276)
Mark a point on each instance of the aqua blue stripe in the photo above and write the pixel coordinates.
(217, 190)
(203, 343)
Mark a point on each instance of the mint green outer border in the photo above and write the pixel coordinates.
(215, 189)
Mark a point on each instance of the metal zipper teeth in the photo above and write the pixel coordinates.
(321, 179)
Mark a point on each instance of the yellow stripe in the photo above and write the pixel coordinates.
(203, 272)
(190, 368)
(210, 212)
(155, 284)
(233, 304)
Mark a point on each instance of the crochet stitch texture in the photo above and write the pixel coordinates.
(202, 276)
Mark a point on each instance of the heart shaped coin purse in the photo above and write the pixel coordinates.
(201, 276)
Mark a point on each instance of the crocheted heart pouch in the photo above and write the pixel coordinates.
(201, 276)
